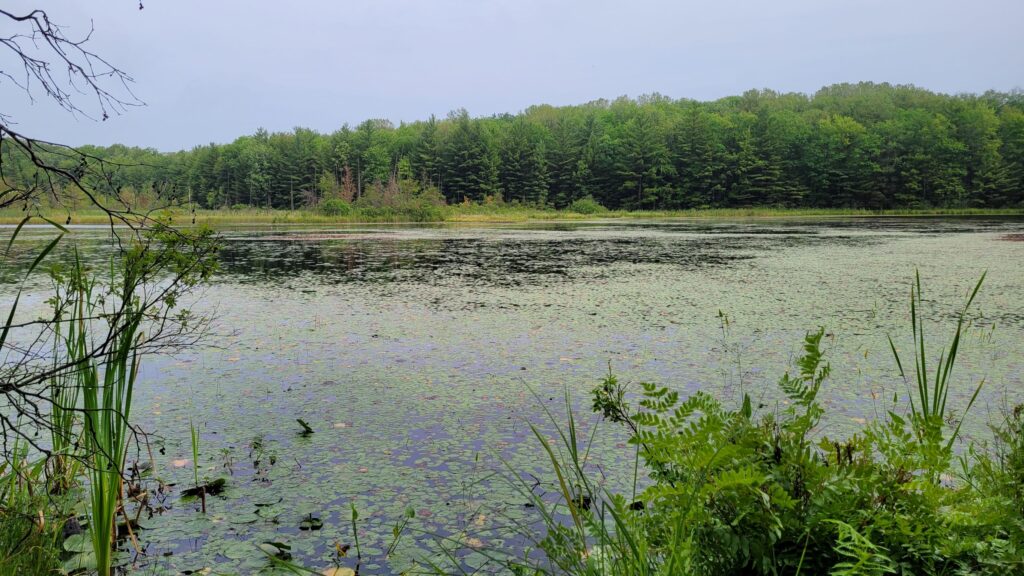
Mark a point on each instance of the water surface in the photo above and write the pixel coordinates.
(412, 351)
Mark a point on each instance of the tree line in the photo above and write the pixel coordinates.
(863, 145)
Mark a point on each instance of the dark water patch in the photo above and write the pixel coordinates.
(502, 261)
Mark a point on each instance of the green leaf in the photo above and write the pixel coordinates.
(81, 542)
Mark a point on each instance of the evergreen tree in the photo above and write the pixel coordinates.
(564, 155)
(850, 145)
(1011, 132)
(840, 170)
(522, 172)
(700, 159)
(426, 157)
(643, 164)
(470, 172)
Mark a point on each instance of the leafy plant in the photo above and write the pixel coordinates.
(862, 557)
(586, 205)
(745, 491)
(31, 521)
(335, 207)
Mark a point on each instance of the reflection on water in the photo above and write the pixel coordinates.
(538, 253)
(512, 255)
(476, 261)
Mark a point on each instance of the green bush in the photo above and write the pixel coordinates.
(759, 491)
(378, 213)
(587, 205)
(335, 207)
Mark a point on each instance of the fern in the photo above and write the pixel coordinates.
(803, 389)
(862, 557)
(741, 492)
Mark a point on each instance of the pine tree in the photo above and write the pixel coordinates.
(643, 162)
(470, 170)
(426, 158)
(700, 160)
(564, 156)
(522, 172)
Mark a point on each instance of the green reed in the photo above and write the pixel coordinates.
(106, 385)
(928, 400)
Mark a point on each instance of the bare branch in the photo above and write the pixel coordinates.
(63, 68)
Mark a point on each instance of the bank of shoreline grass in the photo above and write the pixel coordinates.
(500, 214)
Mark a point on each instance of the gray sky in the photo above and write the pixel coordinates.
(212, 70)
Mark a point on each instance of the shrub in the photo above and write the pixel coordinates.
(335, 207)
(587, 205)
(424, 213)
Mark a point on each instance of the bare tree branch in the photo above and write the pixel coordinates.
(161, 264)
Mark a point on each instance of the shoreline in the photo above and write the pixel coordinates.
(506, 215)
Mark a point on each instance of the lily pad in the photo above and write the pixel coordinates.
(211, 488)
(270, 512)
(239, 550)
(276, 549)
(244, 518)
(83, 561)
(339, 571)
(81, 542)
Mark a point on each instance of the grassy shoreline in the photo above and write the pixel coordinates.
(508, 214)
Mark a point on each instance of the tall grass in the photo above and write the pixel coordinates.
(31, 520)
(97, 341)
(73, 294)
(106, 385)
(932, 389)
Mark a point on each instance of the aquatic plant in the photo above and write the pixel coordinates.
(764, 492)
(194, 438)
(31, 520)
(103, 344)
(932, 390)
(107, 397)
(72, 294)
(355, 532)
(194, 435)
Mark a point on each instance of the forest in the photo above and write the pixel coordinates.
(864, 146)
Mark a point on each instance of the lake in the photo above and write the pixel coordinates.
(418, 354)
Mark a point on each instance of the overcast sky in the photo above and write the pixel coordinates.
(210, 71)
